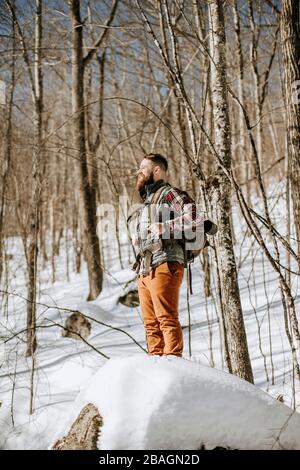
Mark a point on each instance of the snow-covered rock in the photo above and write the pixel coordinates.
(153, 402)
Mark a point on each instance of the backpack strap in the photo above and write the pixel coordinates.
(153, 202)
(190, 281)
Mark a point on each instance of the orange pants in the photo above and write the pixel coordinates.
(159, 298)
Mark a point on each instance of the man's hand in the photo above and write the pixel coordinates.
(157, 228)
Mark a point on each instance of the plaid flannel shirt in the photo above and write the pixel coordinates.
(179, 213)
(189, 217)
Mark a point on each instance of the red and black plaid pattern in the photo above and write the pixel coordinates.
(181, 217)
(189, 217)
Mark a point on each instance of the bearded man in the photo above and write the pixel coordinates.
(161, 257)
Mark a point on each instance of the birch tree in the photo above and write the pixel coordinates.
(235, 328)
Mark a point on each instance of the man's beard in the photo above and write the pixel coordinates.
(142, 181)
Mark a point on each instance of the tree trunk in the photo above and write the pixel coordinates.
(243, 161)
(7, 148)
(34, 221)
(88, 195)
(84, 432)
(235, 328)
(290, 36)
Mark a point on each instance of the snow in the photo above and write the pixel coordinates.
(186, 401)
(153, 402)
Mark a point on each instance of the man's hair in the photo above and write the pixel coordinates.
(158, 159)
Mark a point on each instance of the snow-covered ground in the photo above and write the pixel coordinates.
(153, 402)
(65, 366)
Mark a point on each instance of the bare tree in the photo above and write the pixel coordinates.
(235, 328)
(87, 191)
(7, 144)
(32, 254)
(290, 36)
(31, 239)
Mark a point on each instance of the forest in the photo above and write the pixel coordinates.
(87, 89)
